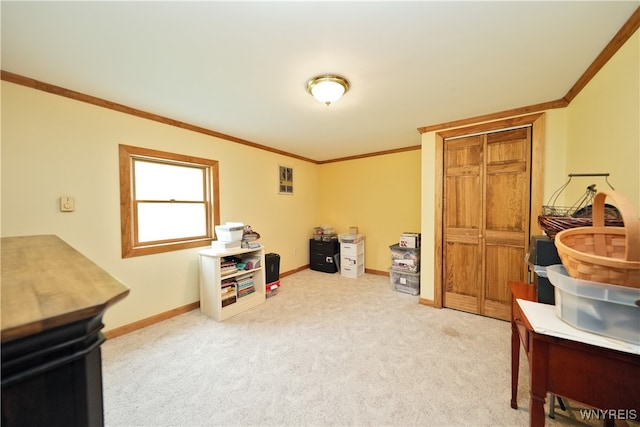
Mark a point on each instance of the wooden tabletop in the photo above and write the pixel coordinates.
(526, 291)
(46, 283)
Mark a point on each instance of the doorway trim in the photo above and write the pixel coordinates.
(536, 121)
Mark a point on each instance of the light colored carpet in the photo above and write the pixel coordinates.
(325, 351)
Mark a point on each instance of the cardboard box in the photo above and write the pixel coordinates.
(409, 240)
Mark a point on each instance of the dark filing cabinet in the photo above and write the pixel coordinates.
(543, 252)
(324, 255)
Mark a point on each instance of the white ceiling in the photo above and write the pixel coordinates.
(240, 68)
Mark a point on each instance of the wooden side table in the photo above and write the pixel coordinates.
(588, 368)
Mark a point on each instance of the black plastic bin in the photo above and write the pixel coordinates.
(543, 252)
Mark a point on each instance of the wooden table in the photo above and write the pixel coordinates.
(53, 300)
(600, 377)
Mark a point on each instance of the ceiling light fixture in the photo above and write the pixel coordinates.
(327, 88)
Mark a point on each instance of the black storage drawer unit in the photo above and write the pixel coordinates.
(324, 256)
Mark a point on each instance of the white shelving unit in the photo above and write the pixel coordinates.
(212, 278)
(352, 259)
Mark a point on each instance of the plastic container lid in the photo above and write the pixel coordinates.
(231, 226)
(351, 238)
(559, 277)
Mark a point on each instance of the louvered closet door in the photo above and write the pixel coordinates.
(486, 220)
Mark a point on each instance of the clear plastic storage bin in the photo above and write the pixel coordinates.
(351, 238)
(601, 308)
(401, 281)
(405, 259)
(271, 289)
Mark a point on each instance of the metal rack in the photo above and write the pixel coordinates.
(585, 200)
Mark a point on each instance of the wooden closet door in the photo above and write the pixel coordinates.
(463, 223)
(486, 220)
(506, 228)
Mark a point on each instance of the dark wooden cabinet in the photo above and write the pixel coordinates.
(53, 301)
(54, 378)
(324, 255)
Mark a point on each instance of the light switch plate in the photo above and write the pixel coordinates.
(67, 204)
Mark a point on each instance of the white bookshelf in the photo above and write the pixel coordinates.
(212, 278)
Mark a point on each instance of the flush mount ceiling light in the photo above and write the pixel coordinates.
(327, 88)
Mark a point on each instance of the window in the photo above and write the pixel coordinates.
(285, 184)
(167, 201)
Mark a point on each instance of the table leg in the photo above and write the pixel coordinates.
(538, 359)
(515, 364)
(536, 409)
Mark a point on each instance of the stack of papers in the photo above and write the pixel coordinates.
(543, 320)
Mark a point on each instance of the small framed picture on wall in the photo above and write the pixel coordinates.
(285, 180)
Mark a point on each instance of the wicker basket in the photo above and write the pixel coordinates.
(555, 219)
(553, 224)
(604, 254)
